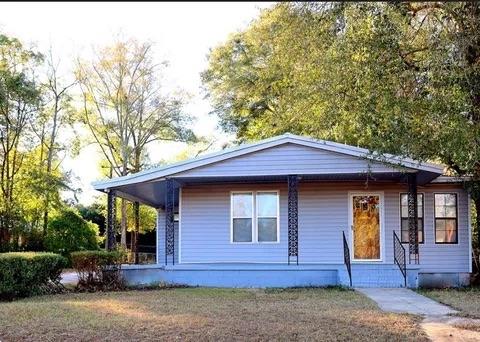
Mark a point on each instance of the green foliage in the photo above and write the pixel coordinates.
(98, 269)
(390, 77)
(400, 78)
(148, 218)
(25, 274)
(31, 179)
(94, 213)
(68, 232)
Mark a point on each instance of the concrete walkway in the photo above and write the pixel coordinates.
(403, 300)
(438, 323)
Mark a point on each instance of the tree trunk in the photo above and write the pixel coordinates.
(476, 201)
(123, 239)
(136, 214)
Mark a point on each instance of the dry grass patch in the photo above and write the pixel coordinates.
(204, 314)
(466, 301)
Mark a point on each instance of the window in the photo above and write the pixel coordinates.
(404, 217)
(446, 227)
(242, 217)
(267, 221)
(255, 216)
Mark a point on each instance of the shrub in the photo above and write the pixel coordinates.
(69, 232)
(98, 270)
(28, 273)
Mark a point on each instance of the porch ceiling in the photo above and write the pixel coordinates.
(152, 193)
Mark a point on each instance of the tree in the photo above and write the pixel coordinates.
(126, 109)
(402, 78)
(56, 114)
(68, 232)
(95, 213)
(19, 100)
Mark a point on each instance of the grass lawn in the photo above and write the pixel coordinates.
(204, 314)
(467, 300)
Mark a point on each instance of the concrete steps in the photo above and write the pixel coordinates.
(373, 275)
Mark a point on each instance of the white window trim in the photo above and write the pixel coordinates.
(381, 195)
(277, 193)
(400, 216)
(254, 217)
(232, 217)
(448, 244)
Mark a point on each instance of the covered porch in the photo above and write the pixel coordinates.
(165, 196)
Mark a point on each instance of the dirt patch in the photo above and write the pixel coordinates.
(449, 328)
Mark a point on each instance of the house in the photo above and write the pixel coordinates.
(294, 211)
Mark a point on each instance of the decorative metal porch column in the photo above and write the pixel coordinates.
(169, 222)
(292, 217)
(414, 257)
(110, 242)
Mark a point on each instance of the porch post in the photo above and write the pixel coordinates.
(414, 257)
(110, 242)
(292, 217)
(169, 222)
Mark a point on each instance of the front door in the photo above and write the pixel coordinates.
(366, 226)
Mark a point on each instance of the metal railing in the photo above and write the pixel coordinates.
(399, 256)
(346, 258)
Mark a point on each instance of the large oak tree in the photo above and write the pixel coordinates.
(402, 78)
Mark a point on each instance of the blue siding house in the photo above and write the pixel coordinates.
(294, 211)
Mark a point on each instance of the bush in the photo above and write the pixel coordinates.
(98, 270)
(28, 273)
(69, 232)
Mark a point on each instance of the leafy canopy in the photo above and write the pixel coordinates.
(399, 78)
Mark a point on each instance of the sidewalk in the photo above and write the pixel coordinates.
(439, 323)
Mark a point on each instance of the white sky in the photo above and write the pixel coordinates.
(182, 33)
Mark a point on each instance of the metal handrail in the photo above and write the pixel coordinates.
(399, 256)
(346, 257)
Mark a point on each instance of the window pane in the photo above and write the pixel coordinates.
(267, 230)
(440, 199)
(267, 204)
(450, 212)
(242, 205)
(404, 211)
(445, 205)
(404, 230)
(439, 210)
(450, 231)
(450, 199)
(404, 205)
(446, 230)
(242, 230)
(439, 236)
(420, 205)
(440, 224)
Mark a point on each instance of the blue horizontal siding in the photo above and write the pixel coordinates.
(288, 159)
(323, 214)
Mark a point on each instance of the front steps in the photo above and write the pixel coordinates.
(375, 275)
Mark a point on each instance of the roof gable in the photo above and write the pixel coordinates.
(184, 166)
(289, 158)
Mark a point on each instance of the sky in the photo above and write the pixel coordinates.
(182, 33)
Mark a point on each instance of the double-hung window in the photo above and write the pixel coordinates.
(242, 217)
(255, 217)
(446, 225)
(404, 217)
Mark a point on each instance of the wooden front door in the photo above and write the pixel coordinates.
(366, 226)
